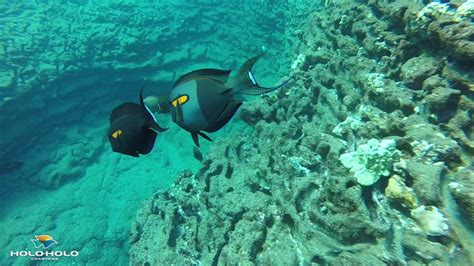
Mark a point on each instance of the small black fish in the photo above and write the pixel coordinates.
(10, 167)
(203, 100)
(133, 128)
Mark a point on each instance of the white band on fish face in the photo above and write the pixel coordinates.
(149, 111)
(252, 78)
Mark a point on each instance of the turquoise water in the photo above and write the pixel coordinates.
(365, 158)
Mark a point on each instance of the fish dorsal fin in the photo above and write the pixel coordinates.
(127, 108)
(217, 74)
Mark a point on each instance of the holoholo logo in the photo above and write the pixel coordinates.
(44, 242)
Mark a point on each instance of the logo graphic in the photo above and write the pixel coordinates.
(44, 241)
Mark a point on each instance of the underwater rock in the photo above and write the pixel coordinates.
(397, 192)
(424, 251)
(376, 125)
(431, 220)
(67, 164)
(426, 142)
(338, 208)
(426, 180)
(321, 56)
(462, 190)
(371, 161)
(457, 39)
(438, 22)
(417, 69)
(351, 123)
(459, 76)
(441, 100)
(330, 148)
(460, 125)
(389, 95)
(465, 9)
(256, 111)
(7, 80)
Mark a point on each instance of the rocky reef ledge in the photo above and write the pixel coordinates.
(366, 159)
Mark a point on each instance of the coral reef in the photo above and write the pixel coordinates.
(431, 220)
(371, 161)
(384, 88)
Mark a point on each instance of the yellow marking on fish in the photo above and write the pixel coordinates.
(117, 134)
(180, 100)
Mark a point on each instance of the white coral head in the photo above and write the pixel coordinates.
(431, 220)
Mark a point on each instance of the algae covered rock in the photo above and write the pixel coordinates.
(441, 100)
(397, 192)
(371, 161)
(424, 251)
(427, 144)
(417, 69)
(426, 180)
(462, 190)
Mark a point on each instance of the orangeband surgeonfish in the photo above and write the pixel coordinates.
(204, 100)
(133, 128)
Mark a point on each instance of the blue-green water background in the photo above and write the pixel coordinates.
(366, 72)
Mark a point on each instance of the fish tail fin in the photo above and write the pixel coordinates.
(245, 82)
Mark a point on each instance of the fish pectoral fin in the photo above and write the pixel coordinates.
(196, 135)
(204, 136)
(226, 91)
(195, 138)
(157, 128)
(179, 113)
(225, 116)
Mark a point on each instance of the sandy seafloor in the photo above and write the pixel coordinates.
(364, 159)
